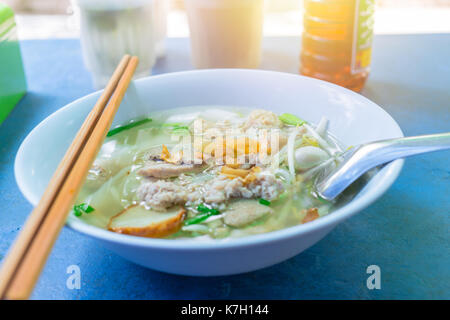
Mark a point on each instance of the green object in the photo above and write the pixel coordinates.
(198, 218)
(79, 209)
(205, 214)
(264, 202)
(203, 208)
(128, 126)
(180, 130)
(291, 119)
(177, 128)
(12, 76)
(172, 125)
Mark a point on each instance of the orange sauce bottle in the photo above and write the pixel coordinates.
(337, 41)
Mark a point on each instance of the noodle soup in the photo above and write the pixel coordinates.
(208, 173)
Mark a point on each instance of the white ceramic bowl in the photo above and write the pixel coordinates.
(353, 119)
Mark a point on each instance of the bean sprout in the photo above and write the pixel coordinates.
(311, 172)
(196, 228)
(290, 150)
(322, 127)
(322, 142)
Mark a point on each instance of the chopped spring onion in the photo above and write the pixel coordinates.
(205, 213)
(291, 119)
(79, 209)
(203, 208)
(177, 128)
(197, 219)
(172, 124)
(214, 212)
(200, 228)
(181, 128)
(128, 126)
(264, 202)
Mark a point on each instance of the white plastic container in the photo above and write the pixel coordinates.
(112, 28)
(225, 33)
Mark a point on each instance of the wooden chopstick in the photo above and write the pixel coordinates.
(23, 265)
(11, 263)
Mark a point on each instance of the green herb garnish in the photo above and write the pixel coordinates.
(204, 214)
(203, 208)
(128, 126)
(215, 212)
(172, 124)
(177, 128)
(79, 209)
(180, 131)
(197, 219)
(264, 202)
(290, 119)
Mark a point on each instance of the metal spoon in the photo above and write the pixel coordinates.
(364, 157)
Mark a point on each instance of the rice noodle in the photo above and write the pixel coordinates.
(311, 172)
(284, 174)
(290, 150)
(322, 142)
(213, 218)
(292, 174)
(282, 154)
(196, 228)
(322, 127)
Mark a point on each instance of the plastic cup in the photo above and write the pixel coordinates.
(225, 33)
(161, 10)
(113, 28)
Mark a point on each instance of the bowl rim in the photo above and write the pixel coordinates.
(392, 171)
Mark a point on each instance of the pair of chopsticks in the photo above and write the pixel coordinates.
(22, 266)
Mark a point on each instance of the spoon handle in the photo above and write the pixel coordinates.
(364, 157)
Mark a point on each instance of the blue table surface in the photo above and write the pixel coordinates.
(405, 233)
